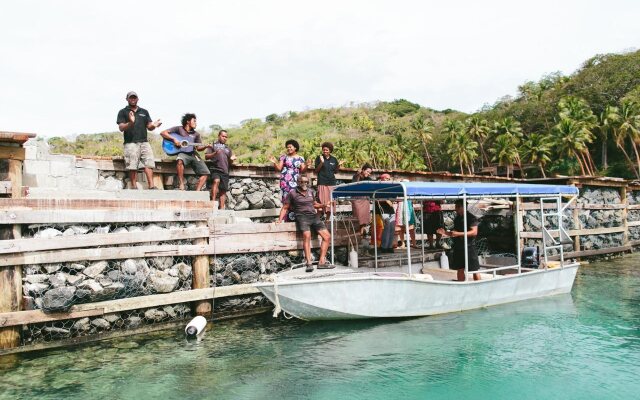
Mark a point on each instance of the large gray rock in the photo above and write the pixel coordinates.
(74, 279)
(58, 280)
(92, 286)
(184, 271)
(47, 233)
(95, 269)
(162, 263)
(268, 203)
(59, 298)
(34, 289)
(154, 314)
(51, 268)
(243, 205)
(255, 199)
(133, 322)
(101, 323)
(37, 278)
(82, 325)
(129, 266)
(162, 282)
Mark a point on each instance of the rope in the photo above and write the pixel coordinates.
(276, 311)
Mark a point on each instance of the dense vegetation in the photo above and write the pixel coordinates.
(587, 123)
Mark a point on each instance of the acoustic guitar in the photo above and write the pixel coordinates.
(186, 144)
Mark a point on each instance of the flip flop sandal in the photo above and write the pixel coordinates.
(309, 268)
(326, 266)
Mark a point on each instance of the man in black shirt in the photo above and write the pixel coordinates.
(222, 158)
(134, 122)
(326, 167)
(304, 205)
(191, 158)
(457, 261)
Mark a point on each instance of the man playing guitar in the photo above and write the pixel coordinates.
(188, 156)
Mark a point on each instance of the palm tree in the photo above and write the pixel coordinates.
(629, 126)
(536, 149)
(460, 146)
(511, 131)
(570, 140)
(606, 120)
(505, 151)
(577, 110)
(424, 128)
(478, 128)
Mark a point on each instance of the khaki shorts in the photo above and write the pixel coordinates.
(137, 153)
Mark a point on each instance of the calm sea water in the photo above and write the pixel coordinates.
(580, 346)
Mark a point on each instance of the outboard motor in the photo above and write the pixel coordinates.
(531, 257)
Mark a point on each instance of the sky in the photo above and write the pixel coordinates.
(66, 66)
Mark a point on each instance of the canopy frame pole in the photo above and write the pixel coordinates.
(406, 228)
(518, 228)
(422, 232)
(333, 261)
(375, 236)
(466, 249)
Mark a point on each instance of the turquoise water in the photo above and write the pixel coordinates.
(580, 346)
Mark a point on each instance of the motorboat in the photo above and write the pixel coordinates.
(411, 282)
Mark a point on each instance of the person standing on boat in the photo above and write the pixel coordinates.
(192, 158)
(433, 220)
(222, 158)
(290, 166)
(361, 209)
(134, 122)
(457, 261)
(302, 201)
(389, 220)
(326, 167)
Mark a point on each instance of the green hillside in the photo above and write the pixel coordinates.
(586, 123)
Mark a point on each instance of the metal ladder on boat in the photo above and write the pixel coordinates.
(554, 237)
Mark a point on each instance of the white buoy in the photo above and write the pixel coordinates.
(195, 327)
(444, 261)
(353, 258)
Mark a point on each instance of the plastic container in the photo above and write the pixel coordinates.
(195, 327)
(444, 261)
(353, 258)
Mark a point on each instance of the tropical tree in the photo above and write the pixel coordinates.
(629, 127)
(577, 110)
(570, 140)
(509, 134)
(606, 121)
(423, 128)
(478, 128)
(536, 149)
(461, 148)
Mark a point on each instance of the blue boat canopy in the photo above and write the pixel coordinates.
(392, 190)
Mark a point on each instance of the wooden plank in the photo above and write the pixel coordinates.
(12, 153)
(15, 175)
(93, 239)
(110, 204)
(54, 216)
(274, 212)
(10, 295)
(8, 319)
(107, 253)
(633, 223)
(588, 253)
(201, 276)
(536, 206)
(577, 232)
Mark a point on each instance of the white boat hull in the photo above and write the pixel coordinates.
(380, 295)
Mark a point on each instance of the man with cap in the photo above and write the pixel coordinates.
(134, 122)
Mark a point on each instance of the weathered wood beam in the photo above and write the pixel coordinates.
(95, 239)
(53, 216)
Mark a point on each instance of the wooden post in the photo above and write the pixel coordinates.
(11, 276)
(201, 276)
(625, 213)
(576, 225)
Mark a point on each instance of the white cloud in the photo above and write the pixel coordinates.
(67, 65)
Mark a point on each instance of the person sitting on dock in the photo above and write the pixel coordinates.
(304, 204)
(185, 159)
(458, 260)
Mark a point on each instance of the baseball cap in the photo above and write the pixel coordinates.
(131, 93)
(385, 176)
